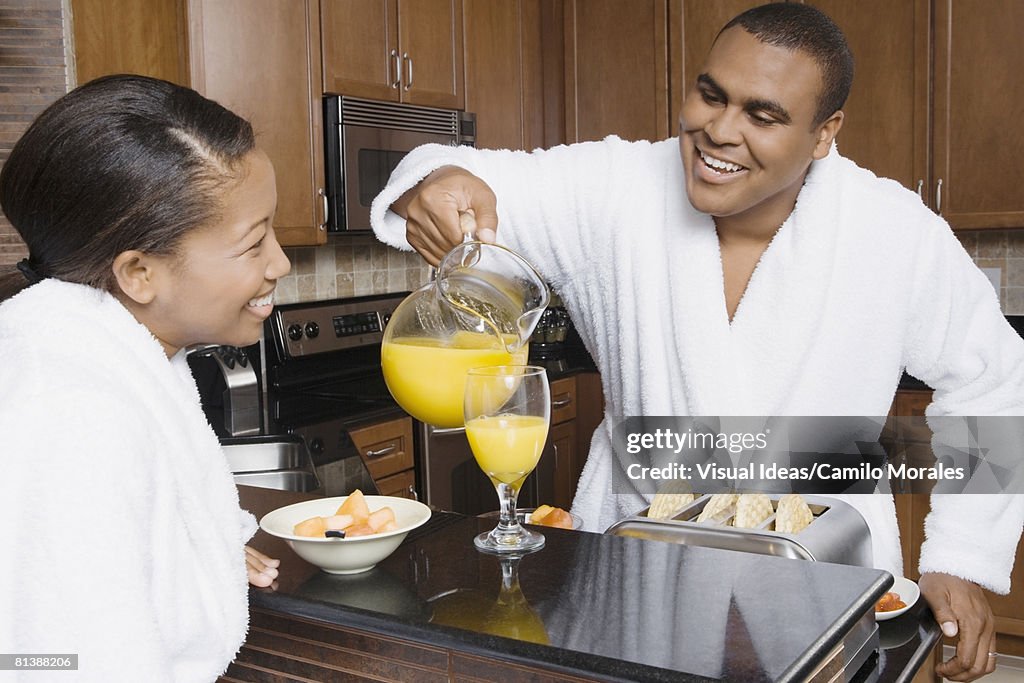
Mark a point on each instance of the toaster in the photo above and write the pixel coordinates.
(837, 533)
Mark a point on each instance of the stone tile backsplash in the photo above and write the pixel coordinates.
(349, 266)
(358, 265)
(1003, 249)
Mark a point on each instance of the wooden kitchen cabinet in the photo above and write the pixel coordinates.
(387, 450)
(504, 72)
(261, 59)
(936, 82)
(616, 69)
(561, 446)
(396, 50)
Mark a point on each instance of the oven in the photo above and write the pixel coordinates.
(324, 378)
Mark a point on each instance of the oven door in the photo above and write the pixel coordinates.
(451, 479)
(368, 155)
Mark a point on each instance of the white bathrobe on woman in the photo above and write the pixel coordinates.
(119, 520)
(861, 282)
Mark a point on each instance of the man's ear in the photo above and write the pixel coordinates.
(827, 132)
(135, 272)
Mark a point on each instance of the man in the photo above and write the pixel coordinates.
(784, 281)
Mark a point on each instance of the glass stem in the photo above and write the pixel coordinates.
(507, 495)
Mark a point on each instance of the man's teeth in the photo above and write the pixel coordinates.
(720, 165)
(263, 301)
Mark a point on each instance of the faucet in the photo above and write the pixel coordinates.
(242, 395)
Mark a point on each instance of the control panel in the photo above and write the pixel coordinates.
(324, 326)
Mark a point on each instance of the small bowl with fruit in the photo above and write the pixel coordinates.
(348, 534)
(901, 597)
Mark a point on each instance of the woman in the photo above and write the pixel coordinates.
(148, 214)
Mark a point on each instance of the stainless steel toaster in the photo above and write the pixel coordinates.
(838, 533)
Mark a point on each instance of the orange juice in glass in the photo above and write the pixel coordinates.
(507, 411)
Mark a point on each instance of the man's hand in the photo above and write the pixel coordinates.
(962, 610)
(443, 207)
(262, 569)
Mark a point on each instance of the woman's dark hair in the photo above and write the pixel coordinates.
(802, 27)
(123, 162)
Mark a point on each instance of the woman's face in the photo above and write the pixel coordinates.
(219, 288)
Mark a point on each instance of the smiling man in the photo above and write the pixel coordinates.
(748, 268)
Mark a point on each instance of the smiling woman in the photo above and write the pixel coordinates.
(148, 212)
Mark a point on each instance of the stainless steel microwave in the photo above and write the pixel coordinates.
(365, 140)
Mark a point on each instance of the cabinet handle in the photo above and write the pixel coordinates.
(938, 197)
(920, 190)
(397, 69)
(408, 71)
(323, 197)
(412, 492)
(383, 451)
(561, 402)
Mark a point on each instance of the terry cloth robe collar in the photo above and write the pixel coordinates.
(778, 316)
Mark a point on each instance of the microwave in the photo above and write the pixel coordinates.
(364, 141)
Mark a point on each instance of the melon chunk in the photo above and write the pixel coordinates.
(314, 526)
(355, 505)
(339, 522)
(381, 517)
(359, 529)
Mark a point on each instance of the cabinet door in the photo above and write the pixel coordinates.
(616, 69)
(386, 447)
(978, 102)
(886, 125)
(504, 72)
(261, 59)
(430, 39)
(360, 48)
(562, 439)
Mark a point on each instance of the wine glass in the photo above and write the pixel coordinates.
(507, 410)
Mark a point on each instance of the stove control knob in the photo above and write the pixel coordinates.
(312, 330)
(316, 446)
(295, 332)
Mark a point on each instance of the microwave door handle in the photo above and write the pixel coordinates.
(396, 63)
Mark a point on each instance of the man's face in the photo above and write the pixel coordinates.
(746, 129)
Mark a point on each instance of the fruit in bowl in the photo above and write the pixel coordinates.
(359, 542)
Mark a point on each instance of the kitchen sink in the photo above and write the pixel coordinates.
(275, 462)
(283, 480)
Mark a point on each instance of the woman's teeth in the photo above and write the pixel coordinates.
(719, 165)
(262, 301)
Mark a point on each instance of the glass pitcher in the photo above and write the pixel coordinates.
(480, 310)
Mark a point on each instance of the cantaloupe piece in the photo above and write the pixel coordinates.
(380, 517)
(557, 517)
(339, 522)
(355, 505)
(359, 529)
(314, 527)
(388, 526)
(540, 513)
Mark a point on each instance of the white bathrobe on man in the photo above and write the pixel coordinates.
(861, 282)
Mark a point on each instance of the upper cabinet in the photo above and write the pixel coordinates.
(932, 102)
(261, 59)
(511, 84)
(397, 50)
(616, 69)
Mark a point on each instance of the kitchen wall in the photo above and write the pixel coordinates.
(1003, 249)
(349, 266)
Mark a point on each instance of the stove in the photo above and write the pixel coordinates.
(323, 377)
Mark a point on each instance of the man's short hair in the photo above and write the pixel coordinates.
(802, 27)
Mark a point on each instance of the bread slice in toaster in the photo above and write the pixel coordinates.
(751, 510)
(793, 514)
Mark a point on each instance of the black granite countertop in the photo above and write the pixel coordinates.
(601, 606)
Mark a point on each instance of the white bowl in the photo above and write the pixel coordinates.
(908, 592)
(344, 555)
